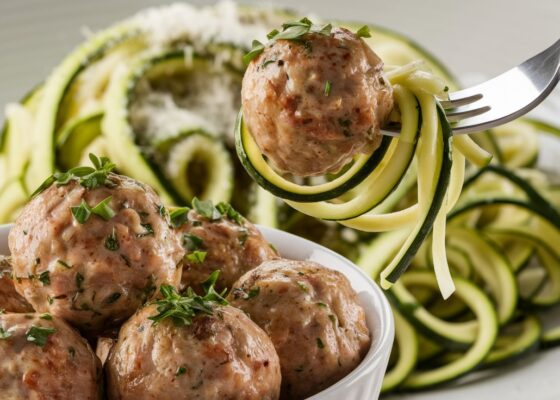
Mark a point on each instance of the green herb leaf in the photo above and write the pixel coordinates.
(45, 278)
(228, 211)
(253, 292)
(327, 88)
(192, 242)
(39, 335)
(293, 32)
(303, 286)
(46, 316)
(113, 297)
(112, 242)
(324, 30)
(363, 32)
(181, 309)
(4, 334)
(64, 264)
(272, 33)
(149, 231)
(320, 343)
(103, 209)
(81, 213)
(179, 216)
(256, 49)
(46, 184)
(206, 209)
(180, 371)
(197, 257)
(72, 352)
(79, 281)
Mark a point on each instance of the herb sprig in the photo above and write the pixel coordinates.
(39, 335)
(182, 309)
(88, 177)
(102, 209)
(290, 31)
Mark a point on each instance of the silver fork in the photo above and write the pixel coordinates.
(503, 98)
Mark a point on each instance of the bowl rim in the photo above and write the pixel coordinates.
(379, 348)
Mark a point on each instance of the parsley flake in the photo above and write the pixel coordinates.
(39, 335)
(46, 316)
(180, 371)
(327, 90)
(182, 309)
(149, 231)
(112, 242)
(179, 216)
(103, 209)
(45, 278)
(228, 211)
(4, 334)
(320, 343)
(363, 32)
(197, 257)
(256, 49)
(192, 242)
(82, 212)
(206, 209)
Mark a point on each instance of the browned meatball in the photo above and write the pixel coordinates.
(313, 104)
(45, 359)
(313, 317)
(10, 299)
(231, 245)
(94, 274)
(220, 356)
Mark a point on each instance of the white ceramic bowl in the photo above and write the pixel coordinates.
(364, 383)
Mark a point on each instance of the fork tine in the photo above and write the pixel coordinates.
(455, 101)
(466, 112)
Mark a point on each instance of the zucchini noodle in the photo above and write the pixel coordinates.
(424, 142)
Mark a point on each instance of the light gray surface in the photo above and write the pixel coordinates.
(470, 36)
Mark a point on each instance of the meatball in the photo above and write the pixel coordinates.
(313, 317)
(314, 103)
(10, 299)
(231, 245)
(219, 356)
(96, 272)
(41, 357)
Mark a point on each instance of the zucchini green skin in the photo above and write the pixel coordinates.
(440, 191)
(75, 137)
(477, 352)
(524, 343)
(260, 178)
(43, 160)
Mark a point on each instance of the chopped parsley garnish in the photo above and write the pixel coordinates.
(180, 371)
(333, 319)
(344, 122)
(103, 209)
(303, 286)
(112, 242)
(363, 32)
(72, 352)
(206, 209)
(320, 343)
(82, 212)
(290, 31)
(39, 335)
(328, 86)
(64, 264)
(114, 297)
(446, 89)
(228, 211)
(253, 292)
(45, 278)
(266, 62)
(46, 316)
(321, 304)
(181, 309)
(179, 216)
(197, 256)
(161, 210)
(149, 231)
(88, 177)
(243, 236)
(4, 334)
(192, 242)
(79, 282)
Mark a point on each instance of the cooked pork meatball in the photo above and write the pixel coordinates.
(10, 299)
(94, 272)
(43, 358)
(231, 245)
(314, 103)
(313, 317)
(220, 356)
